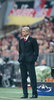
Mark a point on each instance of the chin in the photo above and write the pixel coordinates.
(25, 35)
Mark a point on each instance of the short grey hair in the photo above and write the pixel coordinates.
(26, 27)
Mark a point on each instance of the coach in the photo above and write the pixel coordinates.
(28, 53)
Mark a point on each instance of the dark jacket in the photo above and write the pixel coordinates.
(28, 51)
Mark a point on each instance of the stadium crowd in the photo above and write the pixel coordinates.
(44, 32)
(45, 36)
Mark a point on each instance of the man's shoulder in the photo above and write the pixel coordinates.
(32, 38)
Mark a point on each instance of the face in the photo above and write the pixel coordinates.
(24, 32)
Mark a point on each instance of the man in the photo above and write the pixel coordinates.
(28, 53)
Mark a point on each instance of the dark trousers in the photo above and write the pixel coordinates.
(0, 81)
(28, 67)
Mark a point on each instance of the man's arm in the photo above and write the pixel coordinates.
(19, 51)
(35, 48)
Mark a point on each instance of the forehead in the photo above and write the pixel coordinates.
(23, 29)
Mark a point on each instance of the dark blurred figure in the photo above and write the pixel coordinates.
(28, 53)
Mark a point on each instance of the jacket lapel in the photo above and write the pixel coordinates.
(23, 45)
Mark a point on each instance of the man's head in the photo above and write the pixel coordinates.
(25, 31)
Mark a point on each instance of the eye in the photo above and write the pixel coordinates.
(23, 31)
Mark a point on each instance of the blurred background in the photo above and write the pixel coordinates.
(39, 16)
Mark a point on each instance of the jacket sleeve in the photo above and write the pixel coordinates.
(19, 51)
(35, 48)
(21, 55)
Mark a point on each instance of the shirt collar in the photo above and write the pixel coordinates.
(27, 37)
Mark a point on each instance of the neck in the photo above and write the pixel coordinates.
(26, 36)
